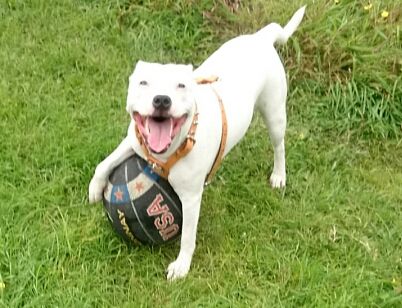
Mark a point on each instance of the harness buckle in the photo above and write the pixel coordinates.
(191, 137)
(154, 165)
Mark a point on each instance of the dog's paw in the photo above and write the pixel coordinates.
(178, 269)
(277, 181)
(96, 187)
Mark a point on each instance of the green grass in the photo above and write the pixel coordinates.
(332, 238)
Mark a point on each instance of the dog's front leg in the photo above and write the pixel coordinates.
(191, 209)
(103, 170)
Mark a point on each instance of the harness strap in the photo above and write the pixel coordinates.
(224, 135)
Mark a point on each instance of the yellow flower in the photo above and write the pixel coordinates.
(384, 14)
(368, 6)
(2, 285)
(336, 1)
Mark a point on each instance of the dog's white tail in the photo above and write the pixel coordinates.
(278, 34)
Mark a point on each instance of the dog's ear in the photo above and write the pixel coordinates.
(140, 64)
(190, 68)
(138, 68)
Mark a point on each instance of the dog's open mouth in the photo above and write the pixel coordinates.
(158, 131)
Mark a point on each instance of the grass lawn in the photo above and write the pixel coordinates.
(332, 238)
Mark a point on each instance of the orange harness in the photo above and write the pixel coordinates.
(163, 168)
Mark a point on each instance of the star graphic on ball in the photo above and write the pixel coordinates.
(139, 186)
(119, 195)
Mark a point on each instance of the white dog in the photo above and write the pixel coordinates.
(163, 99)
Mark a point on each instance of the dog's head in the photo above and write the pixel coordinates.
(160, 99)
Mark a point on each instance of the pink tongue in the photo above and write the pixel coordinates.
(159, 134)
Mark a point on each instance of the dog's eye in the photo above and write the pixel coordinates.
(181, 85)
(143, 83)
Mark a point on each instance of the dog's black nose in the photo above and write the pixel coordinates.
(162, 102)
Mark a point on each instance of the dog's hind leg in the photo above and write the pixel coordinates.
(272, 99)
(272, 105)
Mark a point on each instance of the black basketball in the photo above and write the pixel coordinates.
(142, 206)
